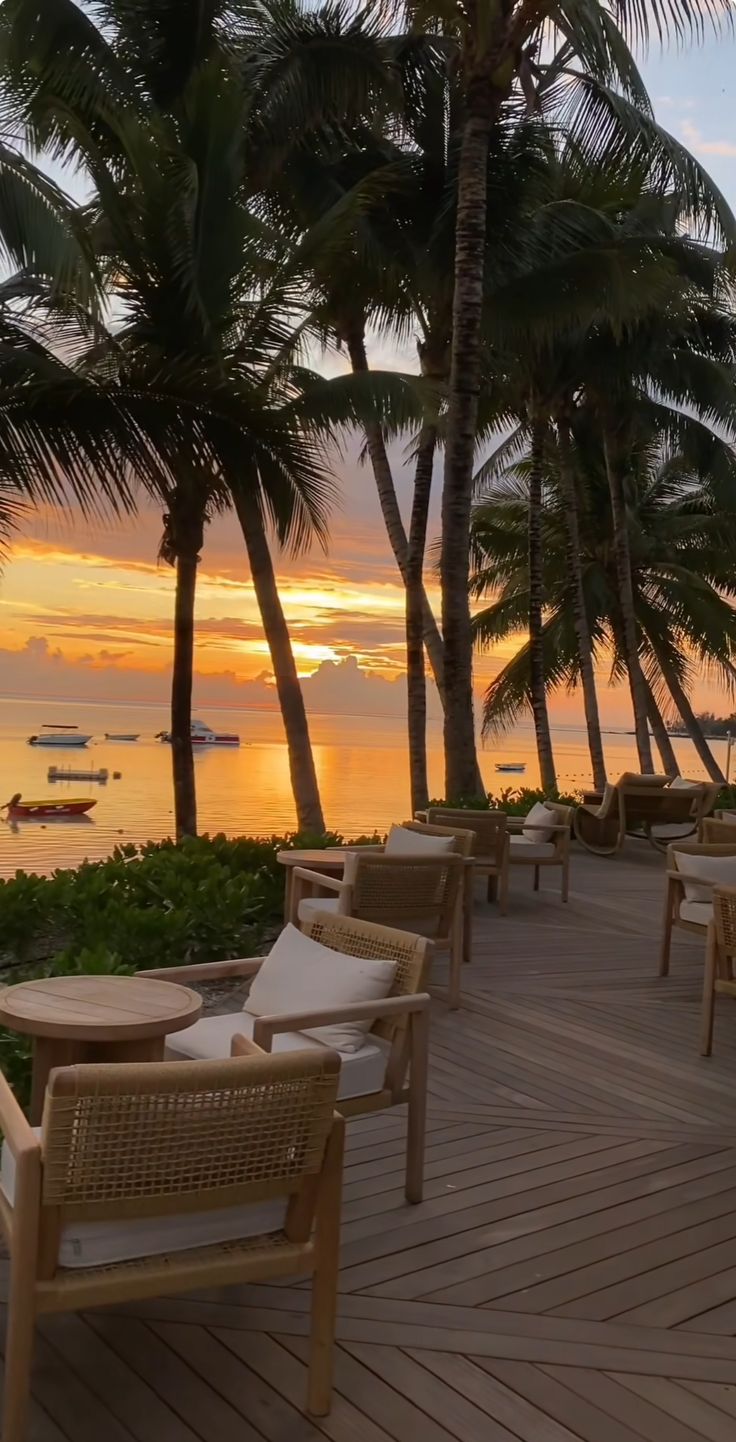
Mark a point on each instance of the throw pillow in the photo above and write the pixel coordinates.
(300, 974)
(540, 823)
(403, 842)
(719, 870)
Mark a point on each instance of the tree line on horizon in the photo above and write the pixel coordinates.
(267, 183)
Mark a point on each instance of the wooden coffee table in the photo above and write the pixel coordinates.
(94, 1018)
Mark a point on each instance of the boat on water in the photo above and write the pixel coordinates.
(516, 766)
(203, 735)
(59, 738)
(40, 810)
(122, 736)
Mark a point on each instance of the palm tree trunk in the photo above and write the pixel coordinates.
(579, 608)
(536, 612)
(293, 713)
(670, 764)
(415, 675)
(465, 376)
(355, 341)
(182, 759)
(690, 720)
(615, 469)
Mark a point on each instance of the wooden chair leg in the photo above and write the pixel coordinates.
(566, 879)
(454, 989)
(417, 1119)
(503, 890)
(468, 914)
(666, 947)
(536, 878)
(324, 1279)
(709, 981)
(492, 890)
(18, 1359)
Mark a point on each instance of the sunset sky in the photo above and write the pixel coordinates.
(85, 611)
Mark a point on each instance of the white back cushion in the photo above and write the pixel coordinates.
(719, 870)
(301, 975)
(540, 823)
(403, 842)
(681, 783)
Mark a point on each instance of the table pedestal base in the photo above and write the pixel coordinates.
(50, 1052)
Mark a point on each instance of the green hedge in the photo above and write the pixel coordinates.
(161, 904)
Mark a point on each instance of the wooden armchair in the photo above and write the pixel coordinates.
(464, 844)
(147, 1180)
(420, 894)
(390, 1071)
(721, 827)
(719, 979)
(491, 850)
(645, 806)
(551, 849)
(692, 916)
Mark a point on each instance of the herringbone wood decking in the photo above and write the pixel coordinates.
(572, 1271)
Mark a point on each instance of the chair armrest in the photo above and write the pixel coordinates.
(266, 1027)
(691, 880)
(514, 828)
(16, 1129)
(206, 970)
(243, 1046)
(318, 878)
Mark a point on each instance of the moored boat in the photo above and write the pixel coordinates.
(203, 735)
(122, 736)
(35, 810)
(59, 738)
(511, 766)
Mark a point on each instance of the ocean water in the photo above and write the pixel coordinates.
(361, 764)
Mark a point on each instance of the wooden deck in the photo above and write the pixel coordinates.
(572, 1271)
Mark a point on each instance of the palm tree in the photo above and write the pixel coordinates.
(496, 56)
(204, 330)
(683, 546)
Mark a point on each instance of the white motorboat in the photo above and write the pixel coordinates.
(59, 738)
(203, 735)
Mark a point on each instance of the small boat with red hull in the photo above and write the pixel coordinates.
(19, 809)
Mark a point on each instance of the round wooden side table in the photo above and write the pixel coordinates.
(94, 1018)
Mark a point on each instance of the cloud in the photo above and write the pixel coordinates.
(696, 141)
(339, 687)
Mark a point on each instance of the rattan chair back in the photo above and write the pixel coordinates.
(724, 919)
(419, 891)
(123, 1141)
(355, 937)
(488, 827)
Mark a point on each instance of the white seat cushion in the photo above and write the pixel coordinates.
(300, 974)
(95, 1244)
(719, 870)
(699, 912)
(681, 783)
(403, 842)
(361, 1073)
(540, 823)
(309, 904)
(524, 849)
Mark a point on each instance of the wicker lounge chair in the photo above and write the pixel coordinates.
(551, 847)
(692, 916)
(392, 1069)
(421, 894)
(490, 853)
(644, 806)
(147, 1180)
(720, 979)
